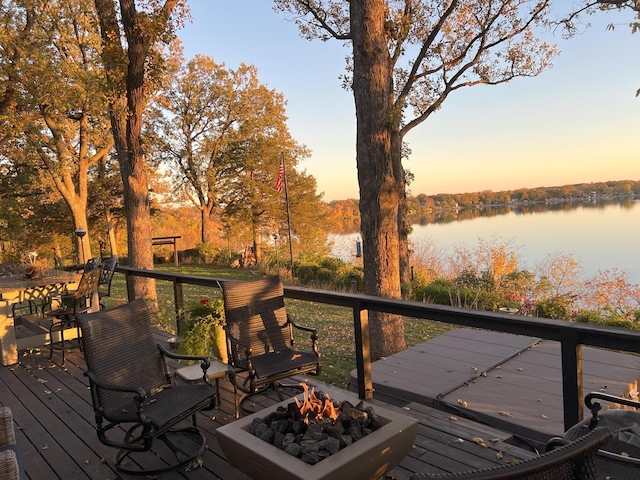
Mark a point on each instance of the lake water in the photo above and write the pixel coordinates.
(600, 236)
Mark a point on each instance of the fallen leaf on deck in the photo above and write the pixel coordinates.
(42, 380)
(499, 455)
(498, 376)
(453, 419)
(459, 441)
(544, 416)
(479, 441)
(506, 414)
(463, 403)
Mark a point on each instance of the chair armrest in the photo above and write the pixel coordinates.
(7, 432)
(141, 394)
(595, 406)
(178, 356)
(301, 327)
(591, 404)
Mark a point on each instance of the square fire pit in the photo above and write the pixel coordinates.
(368, 458)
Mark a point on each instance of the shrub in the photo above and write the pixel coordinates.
(306, 273)
(626, 319)
(446, 292)
(350, 277)
(207, 252)
(554, 307)
(201, 327)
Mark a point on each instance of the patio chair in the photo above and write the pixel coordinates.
(108, 268)
(572, 461)
(260, 337)
(619, 458)
(71, 304)
(11, 467)
(131, 390)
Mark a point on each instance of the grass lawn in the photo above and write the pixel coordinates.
(334, 324)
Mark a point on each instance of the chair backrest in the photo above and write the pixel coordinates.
(574, 461)
(120, 350)
(92, 264)
(255, 314)
(87, 285)
(106, 274)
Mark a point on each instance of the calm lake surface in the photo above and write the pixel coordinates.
(599, 235)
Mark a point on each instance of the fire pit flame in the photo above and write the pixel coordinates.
(312, 408)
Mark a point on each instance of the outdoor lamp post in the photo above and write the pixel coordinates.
(81, 232)
(275, 241)
(227, 230)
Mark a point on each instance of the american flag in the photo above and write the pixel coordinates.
(280, 180)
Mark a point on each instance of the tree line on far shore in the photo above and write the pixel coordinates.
(344, 215)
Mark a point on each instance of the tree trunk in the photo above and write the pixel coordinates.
(113, 243)
(376, 147)
(78, 208)
(126, 125)
(206, 223)
(256, 241)
(403, 228)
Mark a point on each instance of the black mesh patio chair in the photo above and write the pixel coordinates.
(619, 458)
(107, 269)
(572, 461)
(260, 339)
(131, 389)
(71, 304)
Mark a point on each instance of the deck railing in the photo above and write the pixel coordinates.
(572, 336)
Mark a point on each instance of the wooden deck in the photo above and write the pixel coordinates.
(508, 381)
(55, 428)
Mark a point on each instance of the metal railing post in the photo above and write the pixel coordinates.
(363, 352)
(571, 352)
(131, 296)
(178, 299)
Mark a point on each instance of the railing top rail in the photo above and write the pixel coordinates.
(615, 338)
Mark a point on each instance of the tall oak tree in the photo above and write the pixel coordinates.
(408, 56)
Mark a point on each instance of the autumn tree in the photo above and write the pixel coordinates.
(407, 58)
(249, 186)
(133, 34)
(215, 120)
(52, 110)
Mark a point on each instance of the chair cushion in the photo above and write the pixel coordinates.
(11, 466)
(172, 404)
(278, 362)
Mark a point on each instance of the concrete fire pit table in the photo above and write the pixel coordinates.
(368, 458)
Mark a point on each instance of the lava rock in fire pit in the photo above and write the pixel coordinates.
(316, 428)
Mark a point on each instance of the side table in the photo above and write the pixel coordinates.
(216, 371)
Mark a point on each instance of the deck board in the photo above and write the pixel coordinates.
(54, 417)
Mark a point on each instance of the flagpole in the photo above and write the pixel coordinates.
(286, 199)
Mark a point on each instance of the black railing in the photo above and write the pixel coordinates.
(570, 335)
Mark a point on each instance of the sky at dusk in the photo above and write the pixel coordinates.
(577, 122)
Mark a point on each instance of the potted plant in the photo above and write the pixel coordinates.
(204, 330)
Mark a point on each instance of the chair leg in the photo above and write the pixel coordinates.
(182, 458)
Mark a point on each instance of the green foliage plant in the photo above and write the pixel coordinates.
(629, 318)
(553, 307)
(203, 328)
(446, 292)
